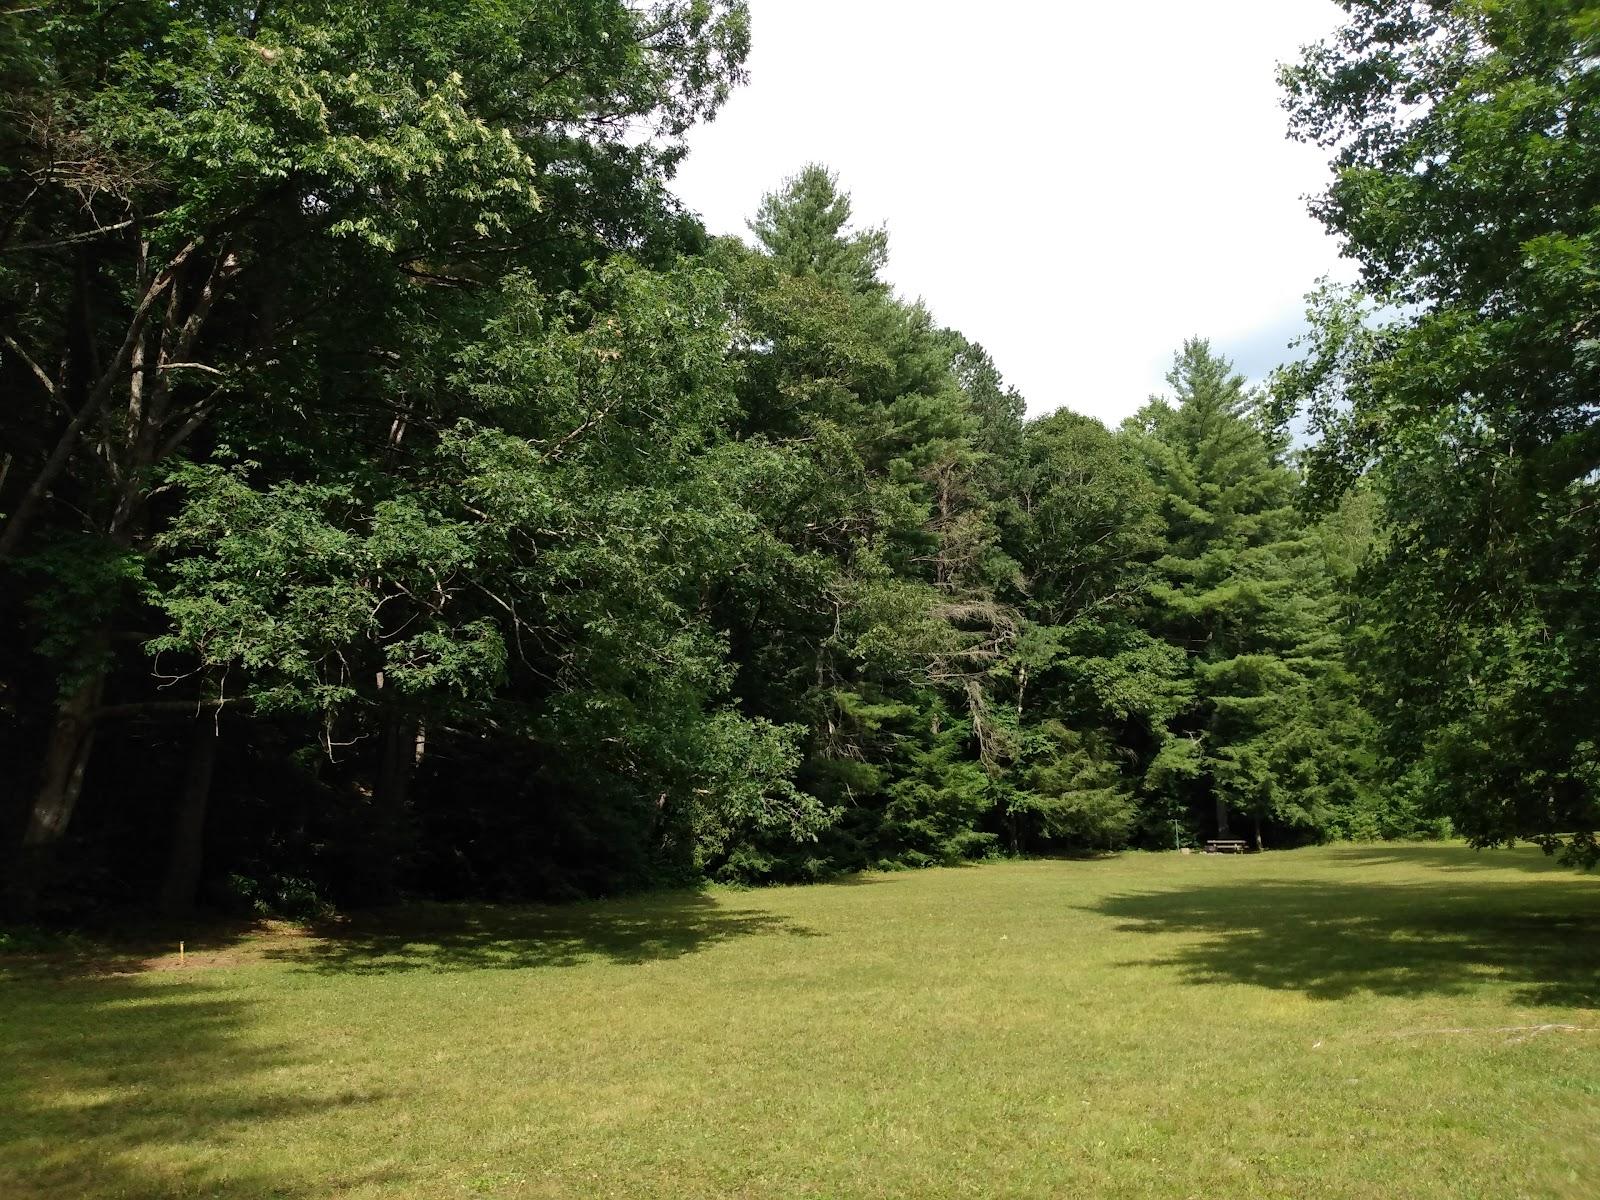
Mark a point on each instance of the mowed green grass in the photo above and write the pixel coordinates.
(1347, 1021)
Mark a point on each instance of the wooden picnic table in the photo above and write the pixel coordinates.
(1227, 846)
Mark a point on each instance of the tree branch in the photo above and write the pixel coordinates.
(140, 707)
(38, 371)
(75, 239)
(22, 515)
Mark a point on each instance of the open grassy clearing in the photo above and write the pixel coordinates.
(1348, 1021)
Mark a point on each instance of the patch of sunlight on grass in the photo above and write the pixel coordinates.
(1396, 1021)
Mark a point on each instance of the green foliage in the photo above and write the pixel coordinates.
(380, 406)
(1458, 387)
(78, 584)
(1273, 727)
(805, 229)
(1073, 791)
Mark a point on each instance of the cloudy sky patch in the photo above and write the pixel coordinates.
(1078, 187)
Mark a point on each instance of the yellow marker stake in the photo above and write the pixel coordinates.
(180, 954)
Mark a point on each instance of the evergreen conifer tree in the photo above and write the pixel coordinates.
(1244, 589)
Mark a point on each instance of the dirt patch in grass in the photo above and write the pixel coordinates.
(215, 945)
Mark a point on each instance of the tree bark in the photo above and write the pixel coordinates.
(1222, 817)
(189, 824)
(400, 751)
(393, 790)
(66, 757)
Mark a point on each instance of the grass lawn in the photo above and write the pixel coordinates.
(1348, 1021)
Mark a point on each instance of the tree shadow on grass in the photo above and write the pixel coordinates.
(1453, 857)
(454, 937)
(115, 1085)
(124, 1076)
(1333, 940)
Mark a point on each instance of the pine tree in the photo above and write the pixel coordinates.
(805, 226)
(877, 624)
(1245, 591)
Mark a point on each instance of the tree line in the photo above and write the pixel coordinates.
(403, 494)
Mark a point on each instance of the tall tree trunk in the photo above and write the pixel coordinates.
(1222, 816)
(149, 393)
(72, 737)
(399, 753)
(401, 739)
(189, 824)
(1258, 830)
(66, 757)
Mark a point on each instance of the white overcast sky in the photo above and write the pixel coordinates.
(1078, 186)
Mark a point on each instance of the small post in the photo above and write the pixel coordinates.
(180, 954)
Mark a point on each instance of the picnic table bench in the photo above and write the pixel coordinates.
(1227, 846)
